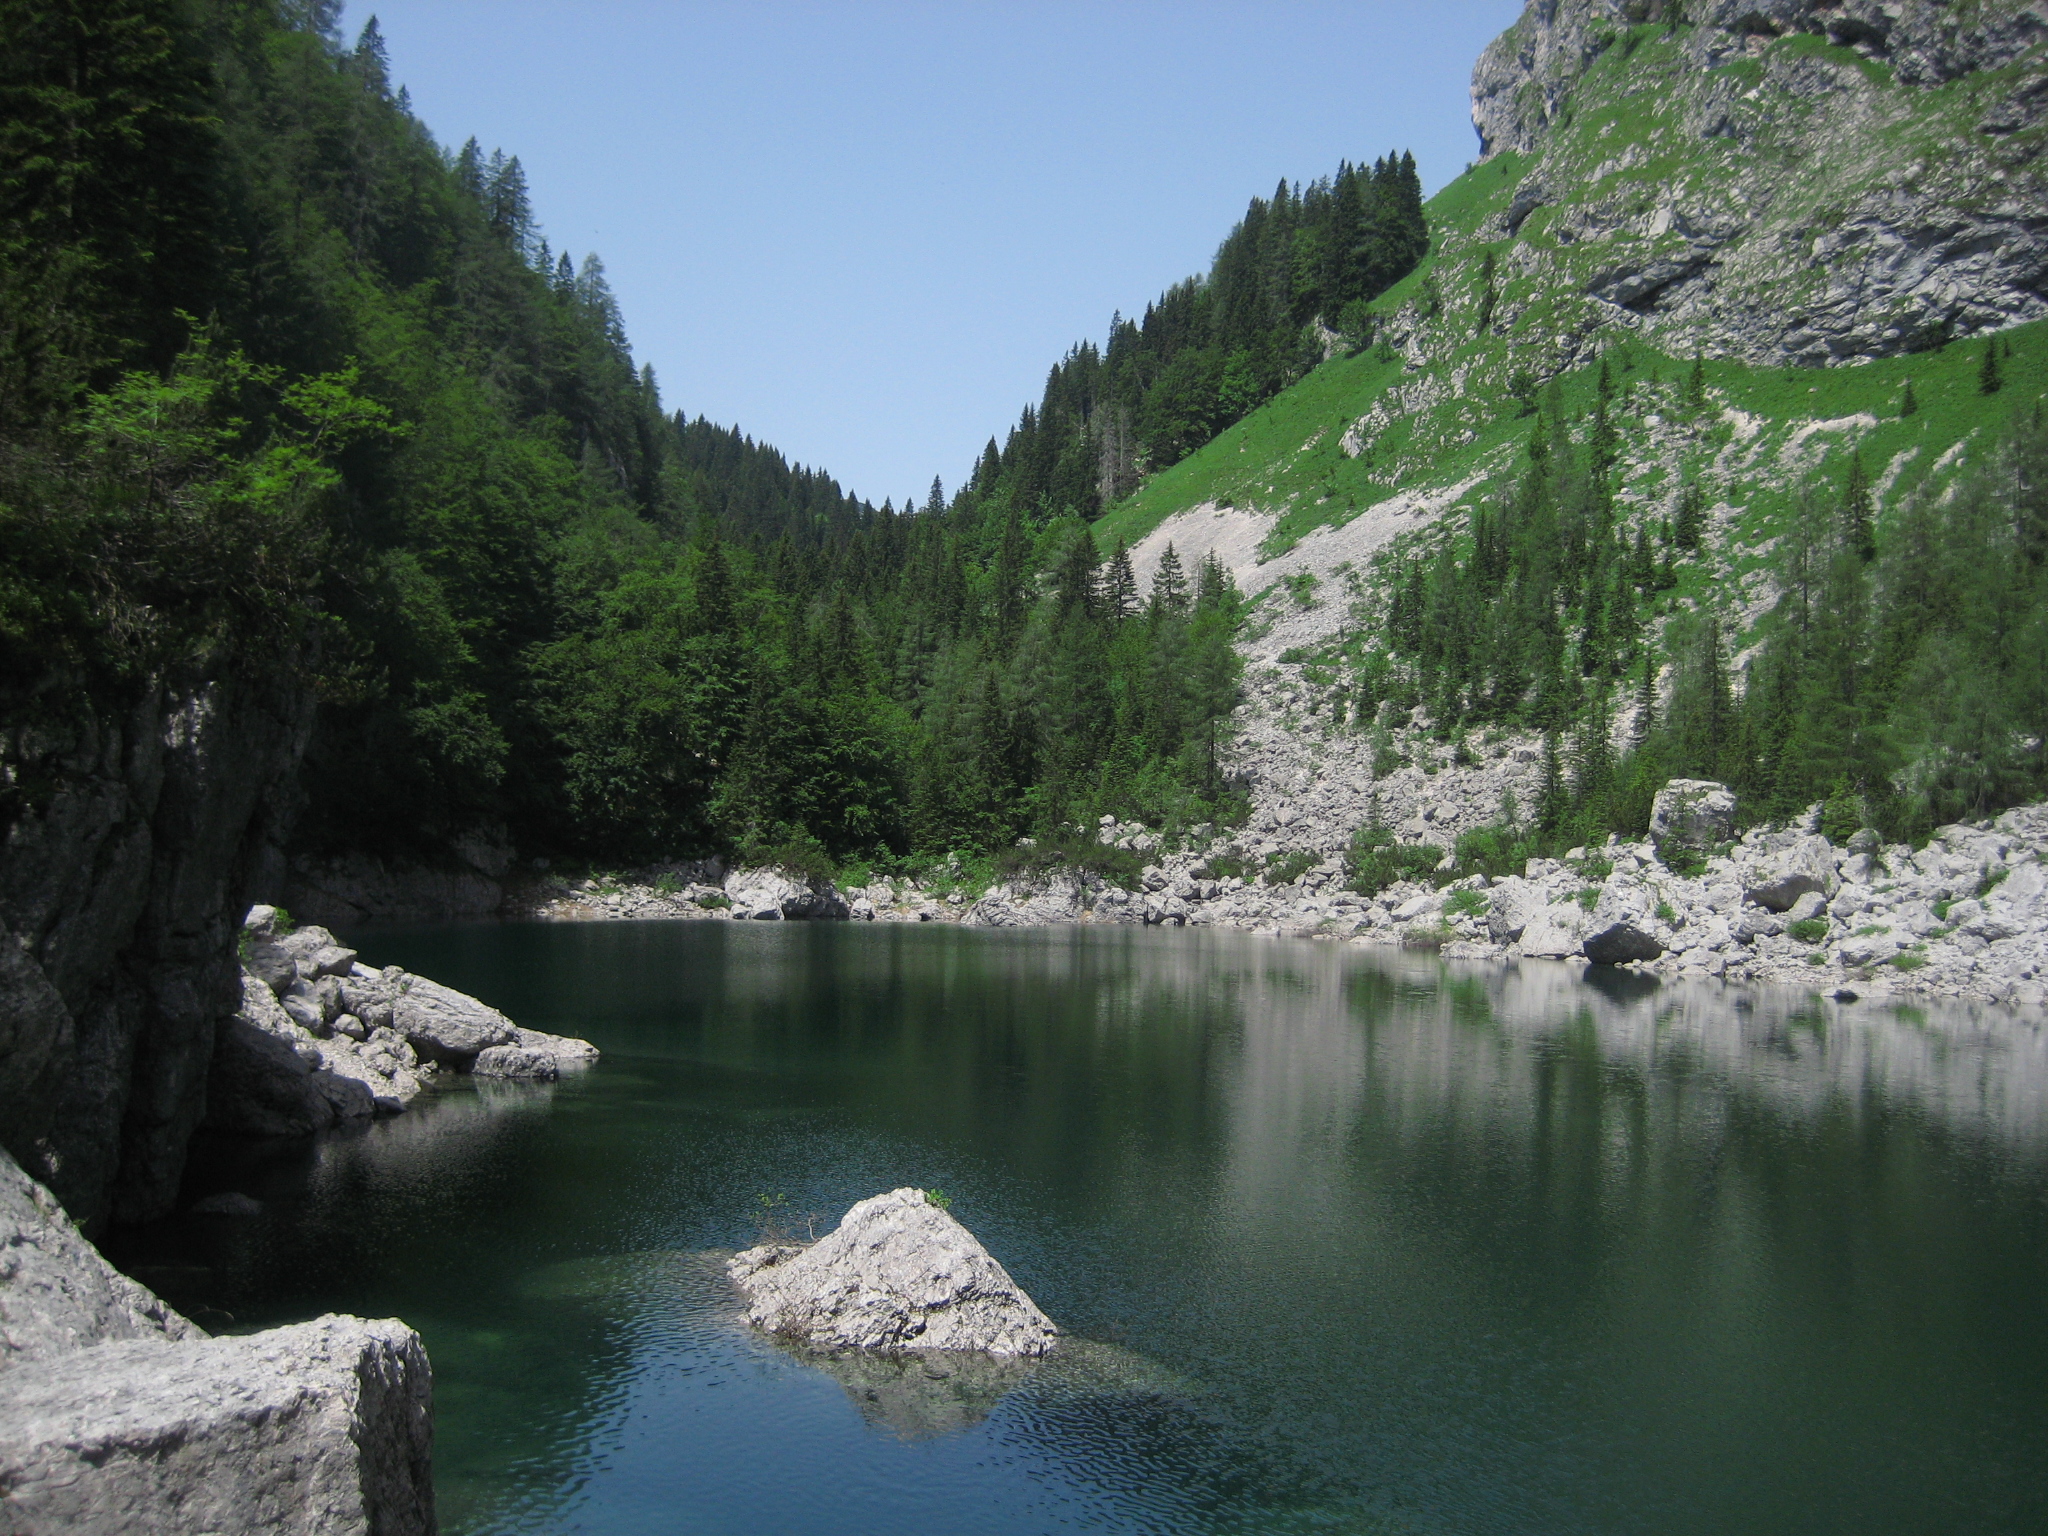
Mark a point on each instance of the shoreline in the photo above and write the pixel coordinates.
(1966, 917)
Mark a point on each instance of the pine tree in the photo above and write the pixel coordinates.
(1690, 520)
(1859, 532)
(1553, 804)
(1909, 403)
(1990, 379)
(1119, 586)
(1696, 384)
(1646, 701)
(1489, 295)
(1169, 588)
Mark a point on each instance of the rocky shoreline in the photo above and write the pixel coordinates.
(1966, 916)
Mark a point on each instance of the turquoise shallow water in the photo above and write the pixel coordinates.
(1354, 1241)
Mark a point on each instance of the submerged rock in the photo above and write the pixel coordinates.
(899, 1273)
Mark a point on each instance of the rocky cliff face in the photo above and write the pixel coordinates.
(1788, 181)
(125, 870)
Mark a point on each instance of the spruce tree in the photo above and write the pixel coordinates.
(1990, 379)
(1169, 588)
(1909, 403)
(1119, 585)
(1686, 527)
(1696, 384)
(1859, 532)
(1553, 804)
(1489, 295)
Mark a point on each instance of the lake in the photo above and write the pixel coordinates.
(1347, 1240)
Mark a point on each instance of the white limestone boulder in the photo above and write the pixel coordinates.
(898, 1273)
(117, 1415)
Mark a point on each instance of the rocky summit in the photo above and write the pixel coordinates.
(898, 1273)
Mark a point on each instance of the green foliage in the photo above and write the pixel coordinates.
(939, 1198)
(1809, 930)
(410, 453)
(1210, 351)
(1906, 960)
(1466, 903)
(1587, 897)
(1375, 861)
(1286, 868)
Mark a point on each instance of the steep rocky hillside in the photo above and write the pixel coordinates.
(1782, 229)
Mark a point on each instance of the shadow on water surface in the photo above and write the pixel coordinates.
(1382, 1242)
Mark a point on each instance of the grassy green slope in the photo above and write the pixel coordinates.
(1439, 410)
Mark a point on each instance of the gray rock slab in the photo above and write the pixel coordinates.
(445, 1025)
(516, 1061)
(898, 1273)
(324, 1427)
(56, 1293)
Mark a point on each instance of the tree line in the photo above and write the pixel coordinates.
(1211, 350)
(286, 384)
(1900, 678)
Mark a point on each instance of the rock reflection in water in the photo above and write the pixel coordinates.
(921, 1394)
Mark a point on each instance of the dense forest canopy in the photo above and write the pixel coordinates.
(286, 383)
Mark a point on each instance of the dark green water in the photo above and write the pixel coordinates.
(1362, 1242)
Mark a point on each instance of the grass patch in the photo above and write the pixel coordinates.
(1809, 930)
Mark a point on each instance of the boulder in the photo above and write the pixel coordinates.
(272, 964)
(445, 1025)
(567, 1050)
(1555, 932)
(898, 1273)
(1514, 903)
(1619, 942)
(1697, 813)
(1783, 875)
(516, 1061)
(260, 1086)
(316, 952)
(119, 1415)
(1623, 926)
(323, 1427)
(56, 1292)
(771, 896)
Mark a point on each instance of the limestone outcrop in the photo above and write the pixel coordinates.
(1936, 225)
(321, 1039)
(118, 1415)
(898, 1273)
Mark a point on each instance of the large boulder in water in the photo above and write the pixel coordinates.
(899, 1273)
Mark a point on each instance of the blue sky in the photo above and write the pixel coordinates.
(865, 232)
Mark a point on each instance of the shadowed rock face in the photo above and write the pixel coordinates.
(118, 1415)
(123, 881)
(899, 1273)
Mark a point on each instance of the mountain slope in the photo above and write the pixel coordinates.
(1786, 238)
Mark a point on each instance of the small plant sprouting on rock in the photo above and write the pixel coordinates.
(1665, 914)
(769, 1214)
(1589, 897)
(1809, 930)
(939, 1198)
(1908, 961)
(1466, 903)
